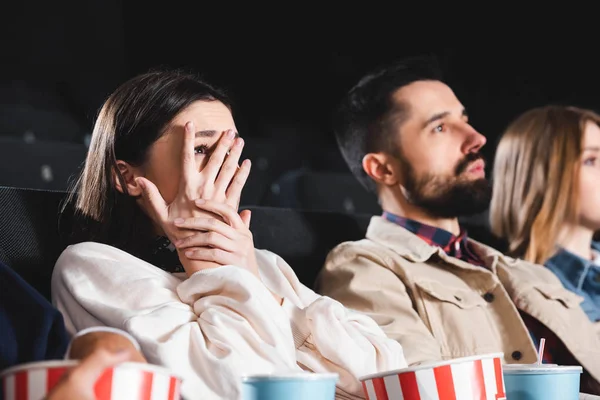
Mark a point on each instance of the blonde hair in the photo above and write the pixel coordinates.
(535, 179)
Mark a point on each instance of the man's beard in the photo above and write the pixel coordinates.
(448, 196)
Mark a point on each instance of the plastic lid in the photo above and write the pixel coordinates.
(541, 369)
(286, 376)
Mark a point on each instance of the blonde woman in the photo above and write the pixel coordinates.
(546, 200)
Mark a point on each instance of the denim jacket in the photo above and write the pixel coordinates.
(580, 276)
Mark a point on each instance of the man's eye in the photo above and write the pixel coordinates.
(440, 128)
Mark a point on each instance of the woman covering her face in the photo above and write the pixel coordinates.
(170, 260)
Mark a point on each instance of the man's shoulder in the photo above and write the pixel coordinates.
(347, 251)
(524, 272)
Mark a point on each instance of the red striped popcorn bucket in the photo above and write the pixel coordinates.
(469, 378)
(127, 381)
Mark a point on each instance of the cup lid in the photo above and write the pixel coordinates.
(541, 369)
(304, 375)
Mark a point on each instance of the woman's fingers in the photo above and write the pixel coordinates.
(230, 166)
(223, 210)
(246, 216)
(153, 199)
(215, 162)
(189, 169)
(236, 185)
(215, 255)
(207, 239)
(192, 225)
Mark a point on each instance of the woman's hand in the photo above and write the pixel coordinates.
(85, 345)
(220, 180)
(223, 243)
(79, 383)
(227, 242)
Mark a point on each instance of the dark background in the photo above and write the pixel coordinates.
(285, 67)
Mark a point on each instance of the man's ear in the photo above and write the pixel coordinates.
(382, 168)
(128, 175)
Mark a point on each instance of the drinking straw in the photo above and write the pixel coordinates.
(541, 351)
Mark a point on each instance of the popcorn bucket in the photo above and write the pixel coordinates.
(33, 381)
(469, 378)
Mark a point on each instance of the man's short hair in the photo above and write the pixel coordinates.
(367, 117)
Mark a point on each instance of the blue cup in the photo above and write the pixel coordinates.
(541, 382)
(294, 386)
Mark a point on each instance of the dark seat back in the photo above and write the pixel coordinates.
(268, 163)
(29, 239)
(304, 238)
(322, 191)
(39, 165)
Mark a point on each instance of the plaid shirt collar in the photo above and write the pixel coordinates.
(454, 246)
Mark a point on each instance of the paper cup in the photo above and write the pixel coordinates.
(294, 386)
(469, 378)
(546, 381)
(126, 381)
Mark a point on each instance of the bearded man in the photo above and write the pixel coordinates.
(406, 136)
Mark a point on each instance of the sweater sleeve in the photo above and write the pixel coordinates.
(211, 328)
(333, 338)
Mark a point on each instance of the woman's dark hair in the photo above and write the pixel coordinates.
(131, 120)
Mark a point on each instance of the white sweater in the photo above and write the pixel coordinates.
(220, 323)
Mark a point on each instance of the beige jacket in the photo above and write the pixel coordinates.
(439, 307)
